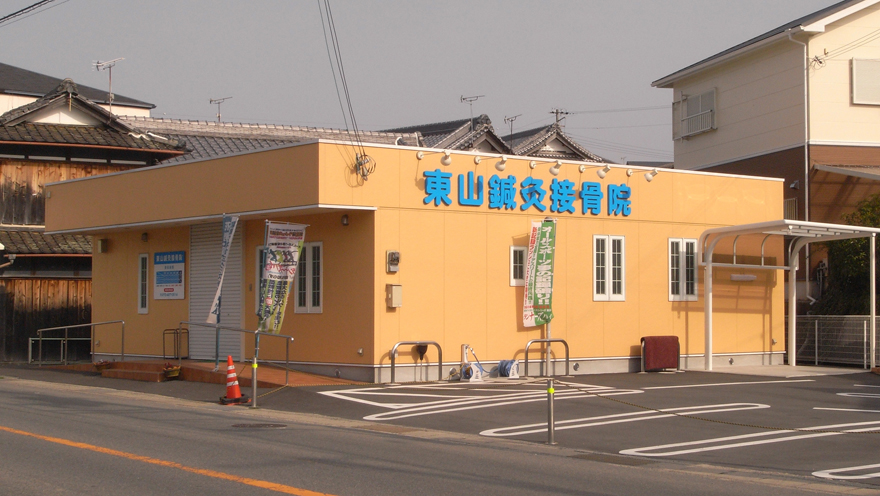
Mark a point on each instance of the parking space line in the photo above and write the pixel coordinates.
(491, 402)
(729, 384)
(619, 418)
(846, 409)
(793, 436)
(832, 474)
(859, 395)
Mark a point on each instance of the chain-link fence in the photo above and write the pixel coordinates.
(834, 339)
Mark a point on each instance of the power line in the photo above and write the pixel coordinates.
(616, 110)
(31, 9)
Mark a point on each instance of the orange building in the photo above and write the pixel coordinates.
(625, 260)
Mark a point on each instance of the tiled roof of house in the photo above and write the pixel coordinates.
(17, 81)
(531, 143)
(31, 241)
(211, 139)
(15, 127)
(85, 135)
(462, 134)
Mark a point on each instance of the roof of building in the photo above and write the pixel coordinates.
(211, 139)
(533, 143)
(17, 81)
(17, 129)
(462, 134)
(830, 13)
(33, 241)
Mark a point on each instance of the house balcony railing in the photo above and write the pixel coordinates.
(699, 123)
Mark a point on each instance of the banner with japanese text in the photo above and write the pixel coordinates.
(284, 243)
(229, 224)
(538, 301)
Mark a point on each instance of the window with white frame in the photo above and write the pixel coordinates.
(682, 269)
(866, 81)
(698, 113)
(609, 272)
(143, 282)
(518, 265)
(310, 279)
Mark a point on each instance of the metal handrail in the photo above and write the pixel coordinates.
(419, 343)
(548, 341)
(256, 334)
(91, 336)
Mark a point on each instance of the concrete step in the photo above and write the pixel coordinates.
(134, 375)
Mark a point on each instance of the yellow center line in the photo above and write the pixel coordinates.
(280, 488)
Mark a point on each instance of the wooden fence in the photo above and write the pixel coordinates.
(31, 304)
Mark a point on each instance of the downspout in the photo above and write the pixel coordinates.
(793, 278)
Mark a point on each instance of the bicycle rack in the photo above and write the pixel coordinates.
(419, 343)
(548, 341)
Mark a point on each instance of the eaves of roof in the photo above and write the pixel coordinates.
(36, 242)
(811, 23)
(18, 81)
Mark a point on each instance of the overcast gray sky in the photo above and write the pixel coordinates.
(406, 62)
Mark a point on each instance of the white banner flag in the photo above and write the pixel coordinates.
(229, 223)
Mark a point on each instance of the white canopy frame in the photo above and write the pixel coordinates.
(802, 234)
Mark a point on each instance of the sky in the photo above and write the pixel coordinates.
(406, 62)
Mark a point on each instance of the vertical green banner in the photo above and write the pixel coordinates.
(538, 304)
(284, 243)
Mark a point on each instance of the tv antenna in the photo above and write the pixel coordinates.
(108, 66)
(509, 120)
(470, 101)
(218, 101)
(558, 112)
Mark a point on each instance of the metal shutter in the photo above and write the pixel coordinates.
(205, 244)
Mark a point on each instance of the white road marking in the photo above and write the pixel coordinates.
(728, 384)
(619, 418)
(492, 402)
(832, 474)
(646, 451)
(865, 385)
(846, 409)
(859, 395)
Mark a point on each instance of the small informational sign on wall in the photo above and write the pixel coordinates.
(168, 270)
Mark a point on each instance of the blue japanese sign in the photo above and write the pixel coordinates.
(168, 270)
(502, 194)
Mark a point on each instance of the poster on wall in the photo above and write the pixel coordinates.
(283, 245)
(229, 223)
(168, 270)
(538, 301)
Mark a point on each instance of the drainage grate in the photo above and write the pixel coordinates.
(259, 426)
(617, 460)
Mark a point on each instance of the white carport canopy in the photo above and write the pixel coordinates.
(802, 234)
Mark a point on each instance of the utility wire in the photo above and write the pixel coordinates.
(9, 18)
(611, 111)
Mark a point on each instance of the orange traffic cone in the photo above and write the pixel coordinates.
(233, 392)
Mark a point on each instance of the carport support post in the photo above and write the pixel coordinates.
(873, 300)
(792, 304)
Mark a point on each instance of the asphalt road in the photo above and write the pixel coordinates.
(688, 433)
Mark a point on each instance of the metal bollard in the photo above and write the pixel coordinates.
(551, 424)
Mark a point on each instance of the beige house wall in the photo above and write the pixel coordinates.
(759, 105)
(834, 119)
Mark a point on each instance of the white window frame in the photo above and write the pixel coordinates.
(865, 87)
(609, 278)
(305, 275)
(703, 119)
(522, 253)
(143, 288)
(681, 274)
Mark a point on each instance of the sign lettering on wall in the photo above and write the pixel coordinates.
(505, 193)
(169, 268)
